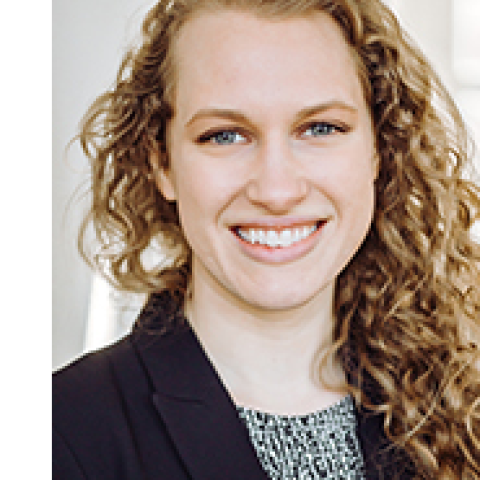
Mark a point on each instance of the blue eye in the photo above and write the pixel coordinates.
(320, 129)
(222, 137)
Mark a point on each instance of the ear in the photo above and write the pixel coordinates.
(162, 176)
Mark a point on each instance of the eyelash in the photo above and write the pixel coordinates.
(209, 137)
(327, 125)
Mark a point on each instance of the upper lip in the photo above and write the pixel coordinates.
(278, 223)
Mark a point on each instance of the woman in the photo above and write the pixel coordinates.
(316, 315)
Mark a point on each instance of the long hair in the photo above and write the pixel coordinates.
(408, 304)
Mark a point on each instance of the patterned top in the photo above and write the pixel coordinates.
(321, 445)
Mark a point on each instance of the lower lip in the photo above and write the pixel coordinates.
(264, 253)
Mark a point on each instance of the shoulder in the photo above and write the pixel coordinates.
(90, 379)
(98, 378)
(108, 421)
(92, 403)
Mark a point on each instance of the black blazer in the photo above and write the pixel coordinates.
(152, 407)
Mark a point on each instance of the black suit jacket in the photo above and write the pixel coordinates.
(152, 407)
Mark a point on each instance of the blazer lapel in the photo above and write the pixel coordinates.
(198, 413)
(383, 460)
(201, 418)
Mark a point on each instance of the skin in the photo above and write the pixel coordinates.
(271, 129)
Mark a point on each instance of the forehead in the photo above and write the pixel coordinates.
(236, 57)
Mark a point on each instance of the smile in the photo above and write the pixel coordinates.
(276, 238)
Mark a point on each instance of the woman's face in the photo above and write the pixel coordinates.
(272, 156)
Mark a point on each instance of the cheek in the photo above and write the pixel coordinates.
(206, 186)
(349, 178)
(359, 209)
(200, 198)
(191, 209)
(351, 189)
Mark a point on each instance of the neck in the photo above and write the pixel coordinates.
(267, 359)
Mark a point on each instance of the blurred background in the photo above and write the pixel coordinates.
(89, 39)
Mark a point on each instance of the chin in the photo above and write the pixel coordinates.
(276, 301)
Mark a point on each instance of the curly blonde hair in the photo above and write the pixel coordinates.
(408, 304)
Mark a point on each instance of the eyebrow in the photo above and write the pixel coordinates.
(237, 116)
(322, 107)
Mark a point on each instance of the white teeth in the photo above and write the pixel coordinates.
(286, 238)
(273, 239)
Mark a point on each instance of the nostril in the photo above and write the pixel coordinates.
(275, 194)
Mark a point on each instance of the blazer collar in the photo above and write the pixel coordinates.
(382, 459)
(198, 413)
(201, 418)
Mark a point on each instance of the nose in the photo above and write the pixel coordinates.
(277, 183)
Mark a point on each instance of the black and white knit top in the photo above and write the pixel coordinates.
(322, 445)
